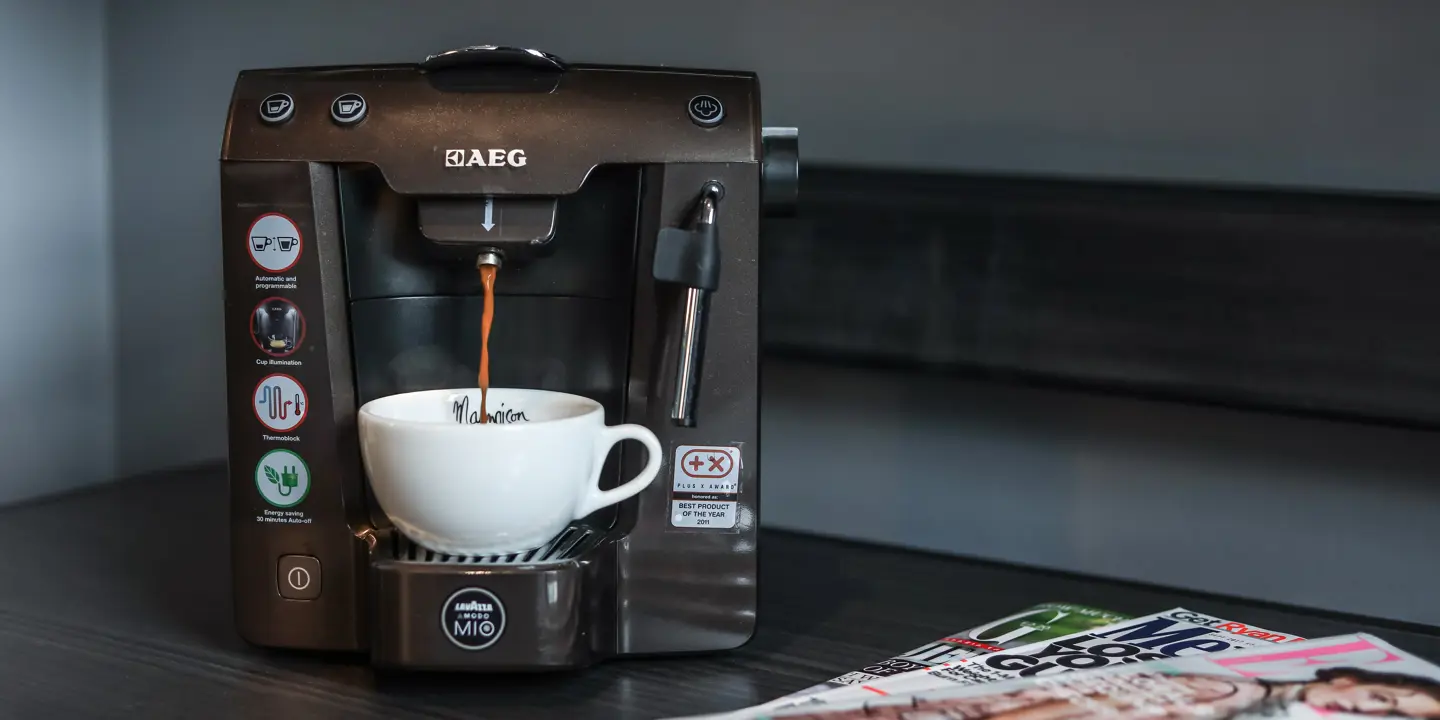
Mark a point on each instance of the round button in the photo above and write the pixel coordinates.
(348, 109)
(706, 111)
(277, 108)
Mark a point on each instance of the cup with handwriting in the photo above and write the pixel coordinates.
(459, 486)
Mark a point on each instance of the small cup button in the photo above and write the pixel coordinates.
(276, 108)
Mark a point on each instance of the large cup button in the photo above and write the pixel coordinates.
(348, 109)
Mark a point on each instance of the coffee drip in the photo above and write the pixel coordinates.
(489, 265)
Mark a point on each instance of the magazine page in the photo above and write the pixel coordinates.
(1171, 633)
(1033, 624)
(1347, 676)
(1040, 622)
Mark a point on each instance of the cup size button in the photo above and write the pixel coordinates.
(706, 111)
(348, 109)
(277, 108)
(299, 577)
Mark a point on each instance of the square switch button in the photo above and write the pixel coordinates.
(299, 577)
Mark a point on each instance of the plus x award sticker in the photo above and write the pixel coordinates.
(706, 487)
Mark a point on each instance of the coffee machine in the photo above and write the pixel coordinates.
(622, 206)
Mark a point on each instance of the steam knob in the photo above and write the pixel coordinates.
(779, 170)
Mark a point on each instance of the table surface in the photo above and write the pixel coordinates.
(117, 605)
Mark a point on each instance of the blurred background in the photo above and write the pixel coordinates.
(1143, 290)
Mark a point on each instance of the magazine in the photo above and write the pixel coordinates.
(1171, 633)
(1347, 676)
(1040, 622)
(1174, 632)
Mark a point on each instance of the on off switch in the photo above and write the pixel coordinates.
(298, 577)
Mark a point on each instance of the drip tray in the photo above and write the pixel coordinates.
(550, 607)
(568, 545)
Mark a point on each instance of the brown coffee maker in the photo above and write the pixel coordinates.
(625, 205)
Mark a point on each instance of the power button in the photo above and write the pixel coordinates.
(298, 577)
(706, 111)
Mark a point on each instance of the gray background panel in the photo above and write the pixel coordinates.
(57, 381)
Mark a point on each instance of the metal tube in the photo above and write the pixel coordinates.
(710, 196)
(692, 349)
(692, 331)
(489, 256)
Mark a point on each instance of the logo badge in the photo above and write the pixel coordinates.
(473, 619)
(493, 157)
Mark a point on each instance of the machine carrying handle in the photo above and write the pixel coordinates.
(493, 69)
(691, 258)
(493, 56)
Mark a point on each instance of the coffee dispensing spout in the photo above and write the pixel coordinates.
(691, 258)
(489, 256)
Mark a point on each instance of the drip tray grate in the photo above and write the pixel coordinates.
(569, 544)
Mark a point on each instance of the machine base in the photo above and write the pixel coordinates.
(550, 608)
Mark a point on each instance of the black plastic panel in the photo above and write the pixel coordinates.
(574, 345)
(557, 616)
(590, 255)
(321, 521)
(595, 116)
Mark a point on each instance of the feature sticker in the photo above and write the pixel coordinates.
(280, 402)
(282, 478)
(277, 327)
(274, 242)
(706, 487)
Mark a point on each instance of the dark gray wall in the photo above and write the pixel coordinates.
(1319, 92)
(1309, 512)
(56, 374)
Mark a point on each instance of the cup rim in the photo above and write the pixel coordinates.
(593, 408)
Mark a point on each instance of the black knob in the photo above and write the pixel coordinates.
(692, 257)
(780, 171)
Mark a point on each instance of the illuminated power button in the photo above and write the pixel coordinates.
(298, 577)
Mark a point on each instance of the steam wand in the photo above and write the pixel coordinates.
(691, 258)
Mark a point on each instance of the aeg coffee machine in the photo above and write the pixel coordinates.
(623, 207)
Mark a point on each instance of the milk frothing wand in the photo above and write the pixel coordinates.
(691, 258)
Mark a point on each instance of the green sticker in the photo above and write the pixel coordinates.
(283, 478)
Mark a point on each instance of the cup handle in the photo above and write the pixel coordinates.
(595, 498)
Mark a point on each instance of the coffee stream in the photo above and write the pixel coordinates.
(487, 278)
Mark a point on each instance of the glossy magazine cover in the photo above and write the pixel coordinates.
(1171, 633)
(1035, 623)
(1346, 676)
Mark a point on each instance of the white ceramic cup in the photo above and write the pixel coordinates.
(456, 486)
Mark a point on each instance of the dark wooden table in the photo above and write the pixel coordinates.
(116, 604)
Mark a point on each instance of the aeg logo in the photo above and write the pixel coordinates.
(494, 157)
